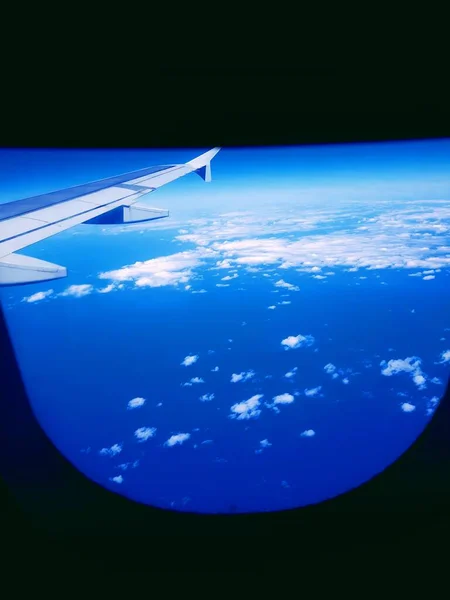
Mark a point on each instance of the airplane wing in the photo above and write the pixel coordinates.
(107, 201)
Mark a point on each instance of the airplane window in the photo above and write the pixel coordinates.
(267, 338)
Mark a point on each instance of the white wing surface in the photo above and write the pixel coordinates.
(107, 201)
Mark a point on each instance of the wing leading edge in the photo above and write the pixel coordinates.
(107, 201)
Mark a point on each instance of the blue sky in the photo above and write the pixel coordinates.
(327, 267)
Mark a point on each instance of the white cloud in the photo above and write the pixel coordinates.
(291, 373)
(206, 397)
(144, 433)
(222, 285)
(313, 391)
(329, 368)
(215, 370)
(202, 291)
(265, 443)
(318, 277)
(335, 376)
(109, 288)
(409, 365)
(207, 442)
(292, 342)
(78, 291)
(162, 271)
(289, 286)
(113, 451)
(117, 479)
(283, 399)
(229, 277)
(285, 302)
(247, 409)
(445, 356)
(407, 407)
(135, 403)
(428, 277)
(190, 360)
(244, 376)
(37, 296)
(436, 381)
(273, 307)
(345, 381)
(308, 433)
(179, 438)
(197, 380)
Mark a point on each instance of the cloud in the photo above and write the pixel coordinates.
(206, 397)
(407, 407)
(202, 291)
(117, 479)
(428, 277)
(436, 381)
(335, 376)
(285, 302)
(283, 399)
(207, 442)
(291, 373)
(292, 342)
(244, 376)
(190, 360)
(247, 409)
(179, 438)
(109, 288)
(313, 391)
(273, 307)
(308, 433)
(135, 403)
(144, 433)
(172, 270)
(318, 277)
(329, 368)
(113, 451)
(197, 380)
(445, 356)
(345, 381)
(222, 285)
(265, 443)
(215, 370)
(37, 296)
(78, 291)
(289, 286)
(229, 277)
(409, 365)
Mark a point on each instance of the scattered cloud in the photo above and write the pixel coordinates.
(318, 277)
(283, 302)
(445, 356)
(436, 381)
(283, 399)
(289, 286)
(117, 479)
(409, 365)
(229, 277)
(190, 360)
(345, 381)
(247, 409)
(113, 451)
(215, 370)
(427, 277)
(207, 442)
(329, 368)
(37, 296)
(244, 376)
(109, 288)
(273, 307)
(407, 407)
(291, 373)
(206, 397)
(78, 291)
(308, 433)
(135, 403)
(265, 443)
(222, 285)
(179, 438)
(144, 433)
(292, 342)
(313, 391)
